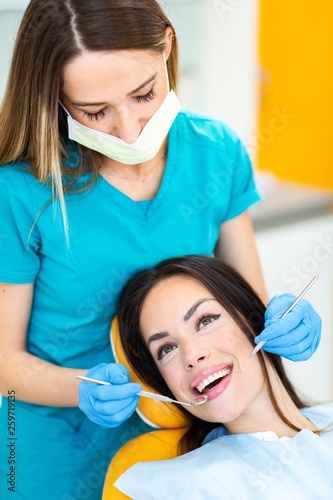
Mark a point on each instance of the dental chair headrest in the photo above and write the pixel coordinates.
(156, 445)
(155, 413)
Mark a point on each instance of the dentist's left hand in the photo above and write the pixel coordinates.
(297, 335)
(109, 405)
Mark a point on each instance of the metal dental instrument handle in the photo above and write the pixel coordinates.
(262, 342)
(146, 394)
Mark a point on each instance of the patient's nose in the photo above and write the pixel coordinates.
(194, 355)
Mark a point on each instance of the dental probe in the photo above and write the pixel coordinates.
(150, 395)
(262, 342)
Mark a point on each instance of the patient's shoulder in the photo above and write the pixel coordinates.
(321, 415)
(215, 433)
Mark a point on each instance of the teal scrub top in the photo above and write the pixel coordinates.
(208, 180)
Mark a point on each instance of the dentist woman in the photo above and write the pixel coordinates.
(102, 173)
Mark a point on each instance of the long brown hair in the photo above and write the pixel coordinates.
(234, 294)
(52, 33)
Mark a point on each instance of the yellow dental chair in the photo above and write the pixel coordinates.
(157, 445)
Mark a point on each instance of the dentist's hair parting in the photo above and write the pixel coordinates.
(52, 33)
(234, 294)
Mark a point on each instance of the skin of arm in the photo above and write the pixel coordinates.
(33, 379)
(237, 248)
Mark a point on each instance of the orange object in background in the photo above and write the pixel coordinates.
(295, 136)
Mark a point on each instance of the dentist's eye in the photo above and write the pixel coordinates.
(206, 320)
(91, 116)
(147, 97)
(164, 349)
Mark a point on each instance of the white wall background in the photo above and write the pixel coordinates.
(291, 255)
(218, 40)
(9, 22)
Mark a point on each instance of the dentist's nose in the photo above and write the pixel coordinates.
(126, 127)
(194, 355)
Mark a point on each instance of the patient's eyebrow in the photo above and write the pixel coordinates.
(195, 306)
(157, 336)
(188, 315)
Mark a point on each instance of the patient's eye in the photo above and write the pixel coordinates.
(164, 349)
(206, 320)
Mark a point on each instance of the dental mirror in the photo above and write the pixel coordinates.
(199, 400)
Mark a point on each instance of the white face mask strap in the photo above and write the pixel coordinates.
(63, 107)
(166, 71)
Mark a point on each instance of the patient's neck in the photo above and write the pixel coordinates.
(262, 416)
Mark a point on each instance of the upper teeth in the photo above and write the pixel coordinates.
(211, 378)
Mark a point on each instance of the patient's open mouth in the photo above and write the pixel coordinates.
(209, 383)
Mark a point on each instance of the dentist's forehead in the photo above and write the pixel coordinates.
(91, 76)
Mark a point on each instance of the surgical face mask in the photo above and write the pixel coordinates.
(146, 145)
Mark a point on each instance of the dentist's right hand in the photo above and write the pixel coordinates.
(109, 405)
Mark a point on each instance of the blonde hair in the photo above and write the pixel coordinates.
(53, 32)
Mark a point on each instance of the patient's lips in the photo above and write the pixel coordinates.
(212, 381)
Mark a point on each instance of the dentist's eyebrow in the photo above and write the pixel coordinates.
(142, 85)
(86, 104)
(195, 306)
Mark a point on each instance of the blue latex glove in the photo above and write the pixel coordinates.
(297, 335)
(109, 405)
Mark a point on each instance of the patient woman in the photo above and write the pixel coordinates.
(187, 327)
